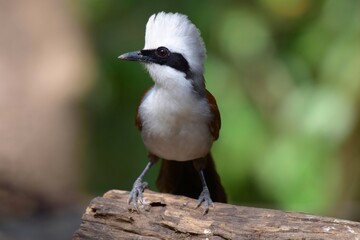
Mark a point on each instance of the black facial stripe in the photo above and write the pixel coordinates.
(177, 61)
(174, 60)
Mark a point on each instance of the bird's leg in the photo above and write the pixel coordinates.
(205, 194)
(139, 186)
(200, 164)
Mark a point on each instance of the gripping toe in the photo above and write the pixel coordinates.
(206, 199)
(135, 195)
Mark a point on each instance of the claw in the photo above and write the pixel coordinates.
(135, 195)
(205, 197)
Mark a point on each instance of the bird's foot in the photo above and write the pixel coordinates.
(205, 197)
(135, 195)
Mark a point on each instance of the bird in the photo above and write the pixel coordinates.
(178, 117)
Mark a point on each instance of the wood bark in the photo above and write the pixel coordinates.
(165, 216)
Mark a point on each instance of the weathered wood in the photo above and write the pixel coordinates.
(167, 216)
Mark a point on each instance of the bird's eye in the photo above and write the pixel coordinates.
(162, 52)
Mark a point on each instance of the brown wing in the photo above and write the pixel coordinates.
(215, 123)
(138, 122)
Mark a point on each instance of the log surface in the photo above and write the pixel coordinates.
(166, 216)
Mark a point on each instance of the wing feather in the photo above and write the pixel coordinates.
(215, 122)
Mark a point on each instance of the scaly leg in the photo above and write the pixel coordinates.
(205, 197)
(205, 194)
(139, 186)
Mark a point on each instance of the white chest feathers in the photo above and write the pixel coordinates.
(175, 124)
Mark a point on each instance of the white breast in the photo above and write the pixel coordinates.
(175, 123)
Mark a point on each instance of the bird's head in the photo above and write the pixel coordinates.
(173, 50)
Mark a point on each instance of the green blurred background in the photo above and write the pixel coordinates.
(286, 76)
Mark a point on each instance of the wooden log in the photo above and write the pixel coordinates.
(166, 216)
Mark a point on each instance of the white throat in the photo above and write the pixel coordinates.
(167, 77)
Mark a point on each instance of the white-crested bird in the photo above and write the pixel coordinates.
(178, 118)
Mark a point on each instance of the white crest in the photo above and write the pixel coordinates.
(176, 32)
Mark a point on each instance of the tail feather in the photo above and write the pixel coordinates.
(181, 178)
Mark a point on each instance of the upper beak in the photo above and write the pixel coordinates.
(133, 56)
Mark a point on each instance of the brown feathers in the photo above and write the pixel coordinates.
(215, 123)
